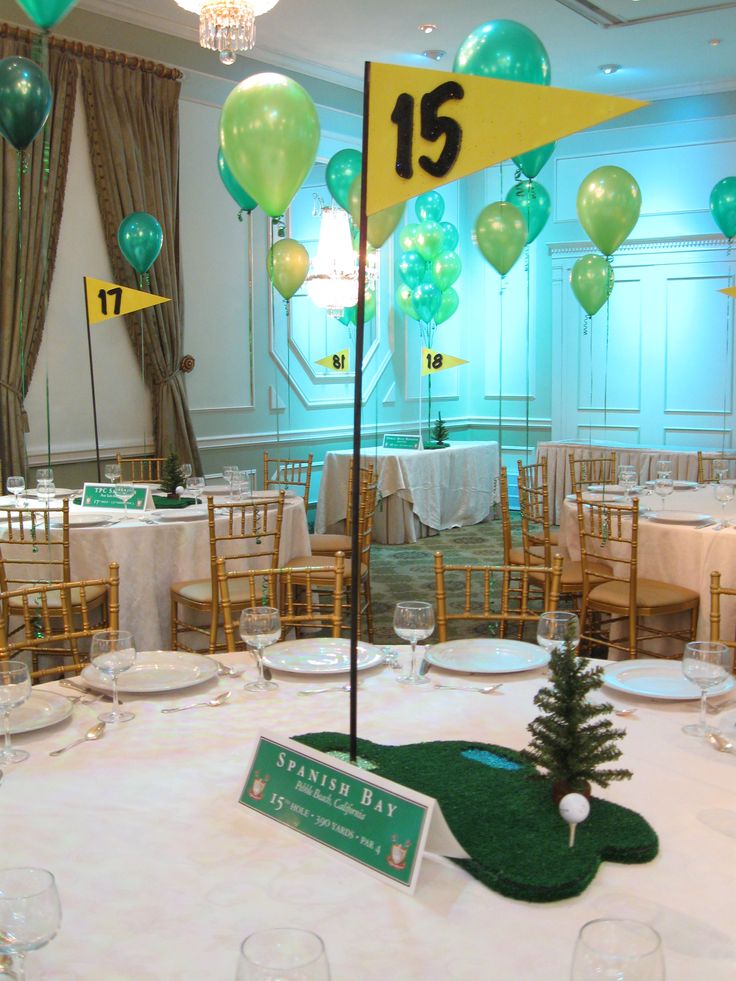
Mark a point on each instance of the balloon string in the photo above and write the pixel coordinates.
(20, 170)
(46, 172)
(251, 361)
(501, 291)
(589, 320)
(287, 310)
(605, 364)
(272, 305)
(528, 344)
(726, 368)
(141, 283)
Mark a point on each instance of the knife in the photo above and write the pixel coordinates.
(67, 683)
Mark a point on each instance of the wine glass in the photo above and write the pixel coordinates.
(44, 473)
(124, 492)
(112, 472)
(186, 470)
(283, 954)
(259, 627)
(627, 476)
(16, 486)
(720, 471)
(240, 483)
(555, 628)
(112, 652)
(724, 492)
(664, 467)
(413, 621)
(663, 487)
(30, 914)
(227, 476)
(627, 950)
(15, 688)
(706, 663)
(195, 485)
(45, 490)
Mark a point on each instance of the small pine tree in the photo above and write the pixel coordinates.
(440, 432)
(171, 475)
(570, 739)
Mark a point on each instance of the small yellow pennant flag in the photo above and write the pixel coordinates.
(729, 291)
(471, 122)
(108, 300)
(433, 361)
(339, 361)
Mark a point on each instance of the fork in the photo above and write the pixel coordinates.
(485, 690)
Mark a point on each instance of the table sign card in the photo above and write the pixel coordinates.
(381, 825)
(103, 496)
(398, 441)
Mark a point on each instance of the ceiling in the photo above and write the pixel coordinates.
(662, 46)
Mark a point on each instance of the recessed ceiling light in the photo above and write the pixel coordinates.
(427, 28)
(714, 42)
(435, 54)
(609, 69)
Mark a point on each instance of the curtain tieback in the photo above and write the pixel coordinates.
(165, 379)
(13, 390)
(19, 396)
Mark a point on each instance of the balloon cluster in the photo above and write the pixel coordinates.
(429, 264)
(723, 206)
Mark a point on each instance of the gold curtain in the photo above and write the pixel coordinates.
(132, 110)
(35, 271)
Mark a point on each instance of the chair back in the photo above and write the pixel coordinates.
(716, 592)
(609, 534)
(709, 467)
(34, 546)
(287, 474)
(366, 478)
(55, 617)
(534, 508)
(140, 469)
(251, 532)
(492, 594)
(588, 469)
(503, 494)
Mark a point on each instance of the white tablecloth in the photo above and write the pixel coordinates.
(421, 491)
(162, 872)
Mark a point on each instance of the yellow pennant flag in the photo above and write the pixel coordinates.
(340, 361)
(427, 127)
(729, 291)
(107, 300)
(434, 361)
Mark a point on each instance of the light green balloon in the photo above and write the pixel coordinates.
(430, 239)
(591, 279)
(381, 225)
(445, 269)
(500, 233)
(408, 237)
(448, 305)
(533, 201)
(288, 264)
(608, 205)
(405, 301)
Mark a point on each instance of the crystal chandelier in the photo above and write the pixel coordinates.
(332, 283)
(227, 26)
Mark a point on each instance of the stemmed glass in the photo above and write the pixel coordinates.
(46, 490)
(112, 652)
(30, 913)
(15, 688)
(706, 663)
(44, 473)
(16, 486)
(124, 492)
(227, 475)
(627, 950)
(413, 621)
(112, 472)
(664, 467)
(186, 471)
(260, 626)
(663, 487)
(627, 476)
(555, 628)
(240, 484)
(283, 954)
(195, 485)
(724, 493)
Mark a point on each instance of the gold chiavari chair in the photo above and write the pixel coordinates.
(140, 469)
(708, 467)
(243, 532)
(55, 617)
(586, 470)
(512, 554)
(306, 598)
(285, 474)
(331, 544)
(716, 592)
(492, 594)
(619, 598)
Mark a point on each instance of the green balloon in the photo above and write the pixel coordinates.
(451, 237)
(531, 162)
(405, 302)
(350, 314)
(430, 239)
(504, 49)
(591, 279)
(341, 171)
(445, 269)
(408, 237)
(500, 233)
(269, 133)
(430, 206)
(381, 225)
(25, 101)
(140, 238)
(46, 13)
(532, 200)
(427, 299)
(448, 305)
(412, 268)
(608, 205)
(287, 263)
(241, 197)
(723, 206)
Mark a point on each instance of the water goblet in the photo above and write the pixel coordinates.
(112, 472)
(15, 688)
(664, 467)
(195, 486)
(627, 950)
(627, 476)
(44, 473)
(260, 626)
(724, 492)
(112, 652)
(186, 470)
(706, 663)
(124, 492)
(227, 476)
(283, 954)
(30, 914)
(413, 621)
(46, 491)
(663, 487)
(557, 627)
(720, 471)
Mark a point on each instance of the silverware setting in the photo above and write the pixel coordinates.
(720, 742)
(485, 690)
(96, 732)
(212, 703)
(94, 695)
(75, 699)
(319, 691)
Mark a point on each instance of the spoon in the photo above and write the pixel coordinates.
(213, 703)
(225, 671)
(318, 691)
(720, 742)
(483, 691)
(626, 713)
(96, 732)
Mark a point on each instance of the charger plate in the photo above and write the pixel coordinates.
(654, 678)
(42, 709)
(487, 656)
(319, 655)
(679, 517)
(156, 671)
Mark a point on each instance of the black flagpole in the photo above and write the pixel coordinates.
(92, 380)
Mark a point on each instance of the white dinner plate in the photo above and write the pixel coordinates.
(42, 709)
(479, 655)
(319, 655)
(606, 489)
(178, 514)
(606, 497)
(83, 520)
(653, 678)
(60, 492)
(156, 671)
(679, 517)
(678, 484)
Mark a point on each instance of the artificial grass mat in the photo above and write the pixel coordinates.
(506, 821)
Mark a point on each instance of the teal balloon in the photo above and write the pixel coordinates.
(239, 194)
(25, 101)
(427, 298)
(412, 269)
(531, 162)
(504, 49)
(450, 236)
(341, 171)
(405, 302)
(430, 206)
(408, 237)
(445, 269)
(46, 13)
(430, 239)
(448, 305)
(140, 238)
(533, 201)
(723, 206)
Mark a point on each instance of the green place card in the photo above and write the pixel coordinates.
(103, 496)
(369, 820)
(397, 441)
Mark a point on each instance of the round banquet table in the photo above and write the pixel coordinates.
(162, 872)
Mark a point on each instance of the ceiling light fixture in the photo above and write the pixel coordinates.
(434, 54)
(332, 282)
(609, 69)
(427, 28)
(714, 42)
(227, 26)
